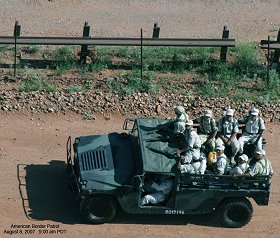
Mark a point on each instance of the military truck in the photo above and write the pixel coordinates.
(108, 173)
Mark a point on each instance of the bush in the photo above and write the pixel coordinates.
(36, 82)
(246, 59)
(65, 59)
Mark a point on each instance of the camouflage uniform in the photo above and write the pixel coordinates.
(253, 126)
(242, 166)
(227, 128)
(194, 142)
(222, 165)
(207, 127)
(158, 191)
(180, 120)
(191, 158)
(262, 166)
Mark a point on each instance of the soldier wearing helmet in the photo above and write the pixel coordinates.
(190, 154)
(180, 120)
(207, 130)
(262, 166)
(242, 165)
(222, 165)
(254, 127)
(227, 131)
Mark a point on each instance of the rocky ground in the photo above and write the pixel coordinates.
(137, 105)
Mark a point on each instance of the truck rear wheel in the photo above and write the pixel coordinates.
(98, 210)
(235, 212)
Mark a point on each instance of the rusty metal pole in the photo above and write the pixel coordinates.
(276, 56)
(84, 48)
(268, 63)
(16, 34)
(223, 55)
(141, 53)
(156, 30)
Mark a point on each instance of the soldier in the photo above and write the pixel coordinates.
(207, 130)
(181, 115)
(254, 127)
(262, 166)
(227, 131)
(195, 166)
(193, 144)
(222, 165)
(242, 165)
(158, 190)
(176, 125)
(179, 128)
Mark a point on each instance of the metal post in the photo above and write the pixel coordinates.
(268, 63)
(223, 55)
(141, 53)
(16, 34)
(84, 48)
(156, 30)
(276, 56)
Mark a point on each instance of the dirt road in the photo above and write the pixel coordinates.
(34, 190)
(250, 20)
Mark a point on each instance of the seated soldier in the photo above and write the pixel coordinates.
(222, 164)
(262, 165)
(227, 131)
(158, 189)
(242, 165)
(207, 130)
(194, 166)
(181, 115)
(254, 127)
(191, 152)
(177, 124)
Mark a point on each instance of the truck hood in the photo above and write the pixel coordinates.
(105, 161)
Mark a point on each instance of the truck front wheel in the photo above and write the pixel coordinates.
(98, 210)
(235, 212)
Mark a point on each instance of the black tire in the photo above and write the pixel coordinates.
(235, 212)
(98, 210)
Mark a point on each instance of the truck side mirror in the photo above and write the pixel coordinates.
(128, 124)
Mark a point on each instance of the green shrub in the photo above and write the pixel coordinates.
(99, 65)
(65, 59)
(246, 58)
(36, 82)
(74, 89)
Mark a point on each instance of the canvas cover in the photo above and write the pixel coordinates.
(158, 145)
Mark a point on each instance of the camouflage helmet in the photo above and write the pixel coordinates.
(254, 112)
(220, 147)
(179, 109)
(229, 112)
(244, 157)
(208, 113)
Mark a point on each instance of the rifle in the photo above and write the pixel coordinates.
(169, 138)
(165, 153)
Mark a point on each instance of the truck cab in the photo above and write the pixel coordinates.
(108, 173)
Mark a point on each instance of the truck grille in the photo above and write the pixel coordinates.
(95, 159)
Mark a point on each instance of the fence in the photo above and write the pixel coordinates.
(86, 40)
